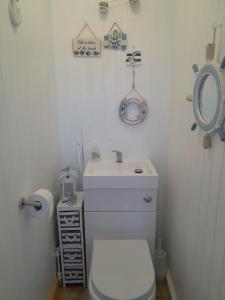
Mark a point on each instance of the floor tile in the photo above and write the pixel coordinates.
(162, 289)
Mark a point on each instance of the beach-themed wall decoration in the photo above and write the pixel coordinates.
(116, 38)
(134, 4)
(15, 12)
(209, 93)
(134, 57)
(133, 99)
(85, 46)
(103, 8)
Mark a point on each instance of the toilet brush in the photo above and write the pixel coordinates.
(160, 262)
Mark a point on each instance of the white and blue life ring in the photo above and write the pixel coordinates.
(133, 119)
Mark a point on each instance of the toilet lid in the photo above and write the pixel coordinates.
(122, 269)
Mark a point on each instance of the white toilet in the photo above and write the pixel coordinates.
(121, 270)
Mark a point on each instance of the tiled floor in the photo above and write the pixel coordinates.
(79, 293)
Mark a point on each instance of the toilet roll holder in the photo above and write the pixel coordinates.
(24, 202)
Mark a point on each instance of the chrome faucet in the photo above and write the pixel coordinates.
(119, 156)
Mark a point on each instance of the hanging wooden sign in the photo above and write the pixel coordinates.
(86, 47)
(116, 38)
(134, 57)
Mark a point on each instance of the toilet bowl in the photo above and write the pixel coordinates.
(121, 269)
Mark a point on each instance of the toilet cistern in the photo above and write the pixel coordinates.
(119, 156)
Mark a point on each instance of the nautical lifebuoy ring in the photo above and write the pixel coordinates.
(124, 110)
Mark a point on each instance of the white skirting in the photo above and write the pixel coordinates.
(171, 286)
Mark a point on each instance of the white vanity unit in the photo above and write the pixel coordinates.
(120, 203)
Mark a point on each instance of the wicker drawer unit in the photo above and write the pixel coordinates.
(71, 238)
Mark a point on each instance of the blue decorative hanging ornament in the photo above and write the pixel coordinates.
(103, 8)
(116, 38)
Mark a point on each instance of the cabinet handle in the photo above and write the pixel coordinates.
(71, 257)
(148, 199)
(70, 221)
(72, 275)
(71, 238)
(75, 274)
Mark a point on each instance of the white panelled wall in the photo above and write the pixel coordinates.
(89, 90)
(172, 35)
(28, 150)
(195, 203)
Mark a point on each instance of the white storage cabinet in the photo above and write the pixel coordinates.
(119, 214)
(71, 238)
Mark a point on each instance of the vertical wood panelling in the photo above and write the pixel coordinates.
(200, 224)
(195, 223)
(8, 259)
(28, 150)
(212, 211)
(222, 285)
(216, 267)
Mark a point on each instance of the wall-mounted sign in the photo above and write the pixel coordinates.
(134, 57)
(86, 47)
(116, 38)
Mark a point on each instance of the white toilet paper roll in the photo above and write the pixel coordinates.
(45, 197)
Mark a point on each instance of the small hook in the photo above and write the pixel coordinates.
(216, 26)
(222, 66)
(195, 68)
(221, 133)
(194, 126)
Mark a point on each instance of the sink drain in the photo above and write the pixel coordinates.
(138, 171)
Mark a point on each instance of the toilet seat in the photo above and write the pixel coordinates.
(121, 269)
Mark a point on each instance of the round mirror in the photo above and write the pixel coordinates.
(208, 98)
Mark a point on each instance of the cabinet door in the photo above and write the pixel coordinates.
(120, 200)
(119, 225)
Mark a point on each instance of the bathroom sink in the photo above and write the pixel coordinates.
(128, 174)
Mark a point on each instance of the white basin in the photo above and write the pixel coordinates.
(110, 174)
